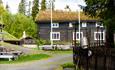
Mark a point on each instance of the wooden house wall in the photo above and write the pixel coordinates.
(66, 33)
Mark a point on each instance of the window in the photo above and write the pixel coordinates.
(77, 35)
(55, 25)
(99, 25)
(99, 35)
(84, 24)
(70, 25)
(55, 36)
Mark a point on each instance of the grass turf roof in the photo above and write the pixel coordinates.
(1, 23)
(7, 36)
(45, 16)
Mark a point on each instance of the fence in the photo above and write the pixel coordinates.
(94, 58)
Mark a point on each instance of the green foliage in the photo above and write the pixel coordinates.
(105, 10)
(2, 10)
(68, 65)
(7, 36)
(21, 8)
(26, 58)
(16, 24)
(43, 42)
(43, 5)
(35, 8)
(61, 43)
(101, 8)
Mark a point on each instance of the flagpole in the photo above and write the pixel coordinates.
(79, 27)
(51, 26)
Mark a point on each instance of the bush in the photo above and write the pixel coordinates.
(43, 42)
(68, 65)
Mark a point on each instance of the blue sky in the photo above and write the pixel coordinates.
(59, 4)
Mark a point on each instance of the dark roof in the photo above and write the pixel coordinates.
(28, 37)
(61, 16)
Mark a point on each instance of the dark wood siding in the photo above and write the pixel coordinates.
(66, 33)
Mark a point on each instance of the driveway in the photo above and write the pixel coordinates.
(45, 64)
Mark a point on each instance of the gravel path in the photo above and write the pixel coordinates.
(45, 64)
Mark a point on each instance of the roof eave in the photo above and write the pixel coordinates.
(49, 21)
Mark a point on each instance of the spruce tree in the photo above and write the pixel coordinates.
(29, 9)
(35, 8)
(49, 4)
(43, 5)
(7, 7)
(22, 7)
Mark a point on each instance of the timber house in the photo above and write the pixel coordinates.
(64, 26)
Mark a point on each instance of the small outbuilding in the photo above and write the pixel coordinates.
(28, 41)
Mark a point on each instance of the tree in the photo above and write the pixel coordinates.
(104, 9)
(16, 24)
(43, 5)
(22, 7)
(49, 4)
(1, 2)
(7, 7)
(2, 10)
(35, 8)
(29, 9)
(67, 8)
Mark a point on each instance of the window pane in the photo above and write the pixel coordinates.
(56, 36)
(77, 36)
(55, 25)
(97, 36)
(102, 36)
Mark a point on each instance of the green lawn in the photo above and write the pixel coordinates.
(57, 52)
(25, 58)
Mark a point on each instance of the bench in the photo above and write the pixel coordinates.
(9, 55)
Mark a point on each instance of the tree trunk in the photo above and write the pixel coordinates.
(109, 36)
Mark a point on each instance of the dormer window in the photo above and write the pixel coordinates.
(84, 24)
(99, 25)
(55, 25)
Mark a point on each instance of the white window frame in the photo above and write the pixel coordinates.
(95, 38)
(55, 25)
(51, 36)
(77, 33)
(84, 24)
(70, 24)
(98, 25)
